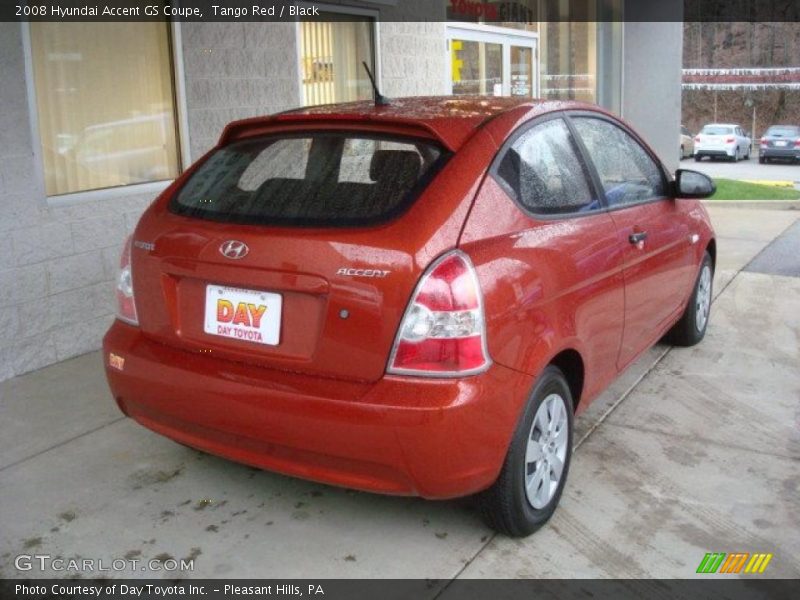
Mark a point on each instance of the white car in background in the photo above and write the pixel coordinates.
(722, 140)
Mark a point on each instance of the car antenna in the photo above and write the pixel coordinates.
(380, 99)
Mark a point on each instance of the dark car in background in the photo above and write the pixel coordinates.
(781, 142)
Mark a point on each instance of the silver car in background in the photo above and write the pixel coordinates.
(722, 140)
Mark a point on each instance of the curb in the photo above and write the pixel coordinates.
(763, 204)
(771, 182)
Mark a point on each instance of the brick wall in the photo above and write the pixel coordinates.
(234, 71)
(413, 59)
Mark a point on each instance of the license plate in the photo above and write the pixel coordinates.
(781, 143)
(245, 315)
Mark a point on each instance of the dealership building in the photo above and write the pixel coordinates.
(97, 118)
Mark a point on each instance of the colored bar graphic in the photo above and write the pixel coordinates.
(711, 562)
(758, 563)
(734, 562)
(721, 562)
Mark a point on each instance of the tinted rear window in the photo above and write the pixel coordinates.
(716, 130)
(783, 131)
(314, 179)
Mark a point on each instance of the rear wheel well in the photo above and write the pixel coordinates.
(571, 364)
(712, 251)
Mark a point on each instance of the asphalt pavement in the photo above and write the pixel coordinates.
(749, 169)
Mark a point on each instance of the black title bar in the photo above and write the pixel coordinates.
(749, 588)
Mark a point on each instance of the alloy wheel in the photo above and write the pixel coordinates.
(703, 299)
(546, 451)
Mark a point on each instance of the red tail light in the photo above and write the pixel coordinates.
(443, 332)
(730, 140)
(697, 138)
(797, 143)
(763, 141)
(126, 306)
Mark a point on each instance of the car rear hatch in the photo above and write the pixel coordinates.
(716, 137)
(782, 138)
(298, 250)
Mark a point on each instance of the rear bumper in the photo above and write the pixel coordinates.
(780, 153)
(436, 438)
(729, 152)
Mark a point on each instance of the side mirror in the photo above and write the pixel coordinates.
(692, 184)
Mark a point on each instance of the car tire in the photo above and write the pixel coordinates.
(749, 151)
(697, 157)
(683, 154)
(541, 441)
(761, 160)
(691, 327)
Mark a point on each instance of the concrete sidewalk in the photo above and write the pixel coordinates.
(691, 451)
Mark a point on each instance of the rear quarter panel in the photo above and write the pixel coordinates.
(548, 285)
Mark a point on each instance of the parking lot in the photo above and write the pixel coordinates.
(749, 169)
(691, 451)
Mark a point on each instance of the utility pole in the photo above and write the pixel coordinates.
(715, 106)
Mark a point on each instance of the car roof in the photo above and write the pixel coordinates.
(450, 119)
(721, 125)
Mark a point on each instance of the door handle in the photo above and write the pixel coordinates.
(637, 237)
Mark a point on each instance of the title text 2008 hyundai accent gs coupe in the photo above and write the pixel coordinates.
(408, 299)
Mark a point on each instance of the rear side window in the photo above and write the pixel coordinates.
(628, 174)
(542, 171)
(783, 132)
(315, 179)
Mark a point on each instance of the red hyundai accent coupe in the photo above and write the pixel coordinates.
(413, 298)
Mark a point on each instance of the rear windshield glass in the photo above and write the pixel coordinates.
(783, 131)
(717, 130)
(314, 179)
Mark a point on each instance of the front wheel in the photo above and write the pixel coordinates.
(691, 328)
(531, 481)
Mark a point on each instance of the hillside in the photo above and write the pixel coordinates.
(741, 45)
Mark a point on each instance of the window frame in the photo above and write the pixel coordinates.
(370, 13)
(666, 178)
(589, 175)
(93, 195)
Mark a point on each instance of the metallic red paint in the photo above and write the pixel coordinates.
(320, 405)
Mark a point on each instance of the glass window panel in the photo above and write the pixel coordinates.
(477, 68)
(569, 61)
(332, 53)
(521, 71)
(323, 179)
(543, 171)
(628, 173)
(106, 109)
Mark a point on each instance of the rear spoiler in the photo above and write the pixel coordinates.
(296, 120)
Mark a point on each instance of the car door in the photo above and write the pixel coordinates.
(548, 256)
(658, 264)
(745, 144)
